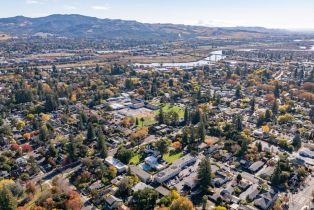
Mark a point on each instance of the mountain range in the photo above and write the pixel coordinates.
(79, 26)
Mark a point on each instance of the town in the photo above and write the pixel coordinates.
(196, 119)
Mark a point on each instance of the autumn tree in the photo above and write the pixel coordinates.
(182, 203)
(7, 200)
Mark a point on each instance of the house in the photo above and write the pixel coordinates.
(112, 202)
(96, 186)
(116, 163)
(163, 191)
(140, 186)
(152, 161)
(175, 168)
(141, 174)
(266, 200)
(256, 166)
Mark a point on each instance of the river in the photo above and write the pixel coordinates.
(213, 57)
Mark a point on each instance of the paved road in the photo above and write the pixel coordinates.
(303, 197)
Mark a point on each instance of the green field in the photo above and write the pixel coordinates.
(170, 158)
(168, 108)
(135, 159)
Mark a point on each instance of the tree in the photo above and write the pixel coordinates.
(311, 114)
(237, 121)
(201, 132)
(243, 149)
(239, 177)
(124, 155)
(7, 200)
(74, 202)
(268, 115)
(186, 116)
(277, 90)
(51, 103)
(162, 147)
(144, 199)
(185, 137)
(204, 202)
(276, 177)
(252, 103)
(182, 203)
(275, 107)
(296, 142)
(52, 150)
(204, 174)
(161, 119)
(43, 133)
(90, 132)
(238, 93)
(102, 147)
(259, 146)
(124, 188)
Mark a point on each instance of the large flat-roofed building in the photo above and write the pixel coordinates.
(174, 169)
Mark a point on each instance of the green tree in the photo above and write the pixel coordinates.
(90, 132)
(162, 146)
(52, 150)
(7, 200)
(124, 155)
(277, 90)
(243, 149)
(276, 177)
(204, 174)
(252, 103)
(275, 107)
(124, 188)
(102, 147)
(186, 116)
(144, 199)
(296, 142)
(238, 93)
(161, 116)
(201, 132)
(311, 114)
(51, 103)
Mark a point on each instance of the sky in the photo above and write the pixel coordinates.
(288, 14)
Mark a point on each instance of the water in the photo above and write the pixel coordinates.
(214, 57)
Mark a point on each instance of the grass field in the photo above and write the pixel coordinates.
(170, 158)
(168, 108)
(150, 120)
(135, 159)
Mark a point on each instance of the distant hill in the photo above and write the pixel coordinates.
(79, 26)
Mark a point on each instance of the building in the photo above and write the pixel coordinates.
(141, 174)
(116, 163)
(174, 169)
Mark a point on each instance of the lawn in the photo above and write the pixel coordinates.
(150, 120)
(170, 158)
(168, 108)
(135, 159)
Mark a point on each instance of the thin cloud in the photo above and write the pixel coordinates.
(100, 8)
(33, 2)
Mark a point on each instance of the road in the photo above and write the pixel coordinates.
(302, 198)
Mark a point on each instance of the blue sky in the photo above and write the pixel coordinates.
(291, 14)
